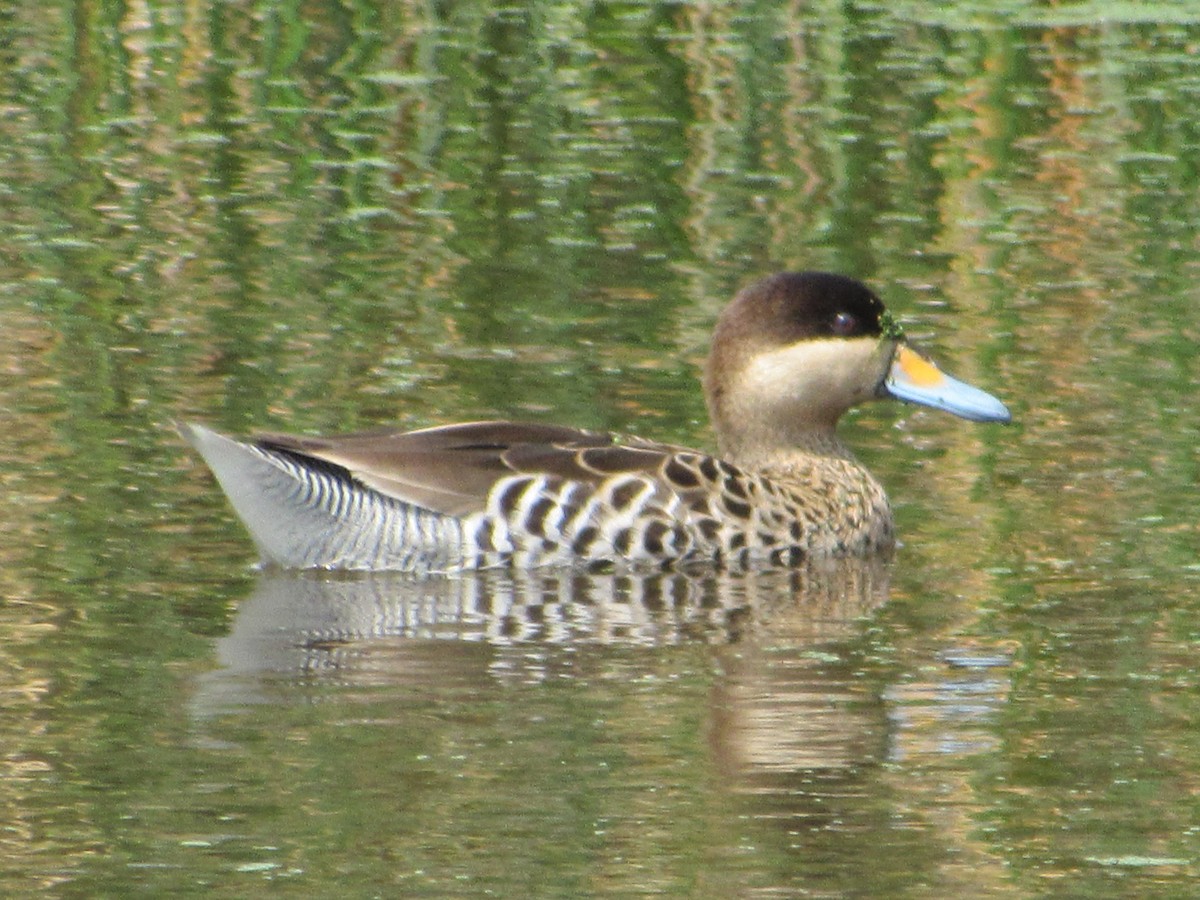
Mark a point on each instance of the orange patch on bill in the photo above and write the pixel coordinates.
(918, 369)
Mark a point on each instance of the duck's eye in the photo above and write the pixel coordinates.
(844, 324)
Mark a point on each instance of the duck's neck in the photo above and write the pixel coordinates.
(795, 449)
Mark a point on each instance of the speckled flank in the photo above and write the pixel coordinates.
(693, 508)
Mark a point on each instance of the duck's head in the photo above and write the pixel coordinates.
(794, 351)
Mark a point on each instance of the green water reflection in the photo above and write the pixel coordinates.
(342, 216)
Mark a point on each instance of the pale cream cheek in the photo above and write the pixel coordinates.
(824, 377)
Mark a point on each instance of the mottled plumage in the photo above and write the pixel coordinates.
(790, 355)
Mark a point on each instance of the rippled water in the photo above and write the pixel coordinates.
(329, 218)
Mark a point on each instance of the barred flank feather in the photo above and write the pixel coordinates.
(315, 516)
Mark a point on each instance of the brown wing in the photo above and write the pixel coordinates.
(451, 468)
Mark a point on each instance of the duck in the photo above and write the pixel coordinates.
(790, 354)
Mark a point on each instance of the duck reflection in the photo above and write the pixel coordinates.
(775, 705)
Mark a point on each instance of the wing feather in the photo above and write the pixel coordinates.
(451, 469)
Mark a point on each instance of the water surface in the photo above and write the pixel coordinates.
(334, 218)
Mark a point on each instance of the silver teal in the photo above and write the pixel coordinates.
(789, 356)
